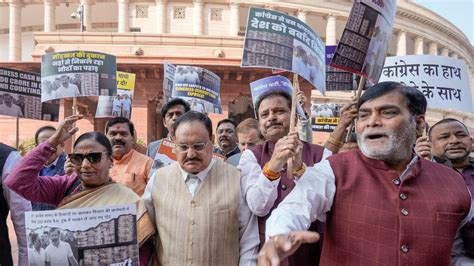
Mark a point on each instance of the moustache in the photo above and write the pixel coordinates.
(118, 142)
(455, 147)
(274, 123)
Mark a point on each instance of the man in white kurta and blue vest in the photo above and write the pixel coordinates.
(197, 203)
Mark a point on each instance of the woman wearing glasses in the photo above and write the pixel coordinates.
(89, 186)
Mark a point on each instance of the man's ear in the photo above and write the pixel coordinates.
(420, 124)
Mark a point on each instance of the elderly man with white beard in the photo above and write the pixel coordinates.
(382, 204)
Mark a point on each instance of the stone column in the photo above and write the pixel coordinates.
(445, 51)
(455, 55)
(123, 23)
(433, 49)
(198, 17)
(49, 16)
(401, 43)
(302, 15)
(419, 45)
(234, 19)
(331, 29)
(161, 16)
(87, 7)
(14, 37)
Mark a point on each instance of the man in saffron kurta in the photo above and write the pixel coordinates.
(200, 214)
(130, 167)
(382, 204)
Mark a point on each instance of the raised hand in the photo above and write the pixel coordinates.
(423, 147)
(348, 114)
(65, 130)
(281, 246)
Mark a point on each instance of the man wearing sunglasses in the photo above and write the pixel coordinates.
(197, 203)
(130, 167)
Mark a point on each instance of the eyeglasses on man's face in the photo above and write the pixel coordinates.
(198, 146)
(93, 157)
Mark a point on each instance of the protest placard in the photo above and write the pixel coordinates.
(168, 81)
(443, 80)
(325, 116)
(337, 79)
(276, 40)
(198, 86)
(365, 38)
(20, 96)
(273, 83)
(78, 73)
(120, 104)
(88, 236)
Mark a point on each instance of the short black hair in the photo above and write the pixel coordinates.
(445, 121)
(414, 99)
(192, 116)
(97, 136)
(226, 120)
(41, 129)
(271, 94)
(173, 102)
(120, 120)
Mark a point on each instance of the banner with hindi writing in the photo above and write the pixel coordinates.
(198, 86)
(325, 116)
(443, 80)
(168, 81)
(20, 96)
(278, 41)
(83, 236)
(77, 73)
(365, 39)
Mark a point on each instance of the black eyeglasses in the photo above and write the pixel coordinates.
(93, 157)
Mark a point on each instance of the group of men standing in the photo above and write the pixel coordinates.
(376, 205)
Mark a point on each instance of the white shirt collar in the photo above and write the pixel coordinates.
(201, 175)
(409, 168)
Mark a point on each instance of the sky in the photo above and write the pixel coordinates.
(458, 12)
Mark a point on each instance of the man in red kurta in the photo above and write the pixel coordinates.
(382, 204)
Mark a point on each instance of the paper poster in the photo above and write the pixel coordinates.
(120, 104)
(337, 79)
(325, 116)
(198, 86)
(278, 41)
(168, 81)
(365, 38)
(20, 96)
(443, 80)
(273, 83)
(84, 236)
(77, 73)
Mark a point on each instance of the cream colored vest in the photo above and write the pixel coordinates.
(199, 230)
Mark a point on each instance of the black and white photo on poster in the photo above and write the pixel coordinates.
(20, 96)
(325, 116)
(85, 236)
(78, 73)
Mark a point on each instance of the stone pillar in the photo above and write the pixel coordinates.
(455, 55)
(198, 17)
(87, 7)
(331, 29)
(433, 49)
(419, 45)
(123, 23)
(302, 15)
(445, 51)
(161, 16)
(401, 43)
(234, 19)
(14, 37)
(49, 16)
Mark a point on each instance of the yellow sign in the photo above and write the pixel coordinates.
(125, 81)
(327, 120)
